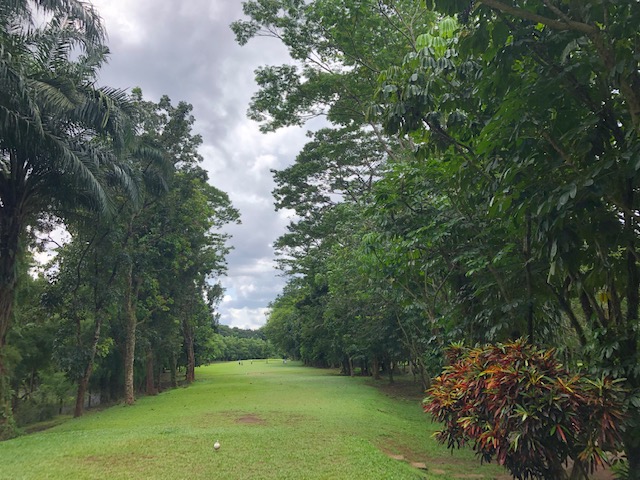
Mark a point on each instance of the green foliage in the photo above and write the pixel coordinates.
(556, 150)
(516, 403)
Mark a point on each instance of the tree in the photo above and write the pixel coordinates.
(557, 149)
(57, 131)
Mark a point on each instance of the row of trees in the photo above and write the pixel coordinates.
(133, 292)
(477, 180)
(237, 344)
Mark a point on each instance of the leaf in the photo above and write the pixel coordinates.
(564, 198)
(447, 27)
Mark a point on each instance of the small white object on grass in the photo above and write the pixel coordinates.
(216, 446)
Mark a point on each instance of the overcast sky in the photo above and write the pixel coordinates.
(185, 49)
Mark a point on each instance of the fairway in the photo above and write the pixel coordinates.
(273, 421)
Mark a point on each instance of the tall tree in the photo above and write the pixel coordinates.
(50, 116)
(538, 105)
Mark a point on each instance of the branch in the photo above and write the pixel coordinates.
(564, 24)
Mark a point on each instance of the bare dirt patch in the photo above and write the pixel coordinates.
(250, 420)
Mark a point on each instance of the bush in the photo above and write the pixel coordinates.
(516, 403)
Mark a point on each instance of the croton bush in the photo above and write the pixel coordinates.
(517, 404)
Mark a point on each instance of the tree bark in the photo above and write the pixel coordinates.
(187, 330)
(11, 226)
(131, 296)
(150, 383)
(84, 381)
(174, 368)
(376, 368)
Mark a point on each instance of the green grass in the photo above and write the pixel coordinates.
(274, 421)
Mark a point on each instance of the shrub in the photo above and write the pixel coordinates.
(516, 403)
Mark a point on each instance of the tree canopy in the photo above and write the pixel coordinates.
(121, 174)
(499, 144)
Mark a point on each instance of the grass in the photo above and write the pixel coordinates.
(274, 421)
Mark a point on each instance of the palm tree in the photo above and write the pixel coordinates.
(58, 132)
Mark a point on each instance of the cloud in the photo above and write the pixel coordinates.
(187, 51)
(246, 317)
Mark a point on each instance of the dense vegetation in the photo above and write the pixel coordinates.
(233, 343)
(133, 293)
(476, 181)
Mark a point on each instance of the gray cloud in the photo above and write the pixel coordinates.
(187, 51)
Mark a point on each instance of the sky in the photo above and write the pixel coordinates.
(186, 50)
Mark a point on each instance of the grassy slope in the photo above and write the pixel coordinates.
(273, 421)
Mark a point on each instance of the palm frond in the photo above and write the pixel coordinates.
(81, 13)
(55, 94)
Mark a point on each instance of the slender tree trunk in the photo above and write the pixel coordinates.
(131, 294)
(563, 301)
(187, 330)
(150, 384)
(158, 377)
(86, 376)
(174, 368)
(424, 378)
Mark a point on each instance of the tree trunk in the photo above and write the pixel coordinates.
(150, 384)
(174, 368)
(376, 368)
(10, 229)
(80, 396)
(84, 381)
(364, 369)
(158, 376)
(187, 330)
(424, 378)
(8, 428)
(131, 294)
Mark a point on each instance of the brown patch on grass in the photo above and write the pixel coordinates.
(112, 459)
(398, 451)
(437, 466)
(210, 419)
(251, 420)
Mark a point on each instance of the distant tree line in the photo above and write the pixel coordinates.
(233, 343)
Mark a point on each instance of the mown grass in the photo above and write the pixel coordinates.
(274, 421)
